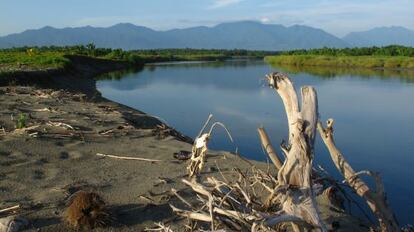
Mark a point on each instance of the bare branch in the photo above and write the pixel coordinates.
(269, 148)
(376, 200)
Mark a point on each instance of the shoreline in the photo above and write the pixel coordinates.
(82, 69)
(43, 166)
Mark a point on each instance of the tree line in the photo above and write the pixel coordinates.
(391, 50)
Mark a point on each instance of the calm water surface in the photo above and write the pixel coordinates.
(373, 112)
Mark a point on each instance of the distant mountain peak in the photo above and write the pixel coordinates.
(47, 28)
(381, 36)
(125, 25)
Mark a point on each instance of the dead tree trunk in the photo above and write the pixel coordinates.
(295, 173)
(376, 200)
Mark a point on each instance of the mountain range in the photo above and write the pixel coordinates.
(236, 35)
(381, 36)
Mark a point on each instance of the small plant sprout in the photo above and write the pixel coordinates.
(21, 121)
(200, 148)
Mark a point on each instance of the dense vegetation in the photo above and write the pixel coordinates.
(370, 57)
(34, 58)
(30, 59)
(343, 61)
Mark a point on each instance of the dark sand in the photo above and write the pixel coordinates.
(41, 167)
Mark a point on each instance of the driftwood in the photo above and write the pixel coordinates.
(291, 198)
(233, 206)
(262, 201)
(198, 155)
(25, 130)
(199, 150)
(60, 124)
(128, 158)
(12, 208)
(376, 200)
(299, 200)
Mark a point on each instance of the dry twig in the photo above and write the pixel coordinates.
(6, 210)
(128, 158)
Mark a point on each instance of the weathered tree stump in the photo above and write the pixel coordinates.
(294, 176)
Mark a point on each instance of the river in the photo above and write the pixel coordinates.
(373, 112)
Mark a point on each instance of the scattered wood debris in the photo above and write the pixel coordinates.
(26, 130)
(145, 198)
(160, 227)
(46, 109)
(60, 124)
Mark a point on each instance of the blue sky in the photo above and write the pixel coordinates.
(335, 16)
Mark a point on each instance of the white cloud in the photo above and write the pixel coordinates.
(223, 3)
(265, 20)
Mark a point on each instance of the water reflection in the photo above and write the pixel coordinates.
(373, 113)
(406, 75)
(205, 74)
(118, 75)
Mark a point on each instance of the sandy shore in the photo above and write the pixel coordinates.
(41, 167)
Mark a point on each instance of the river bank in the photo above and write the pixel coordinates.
(68, 124)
